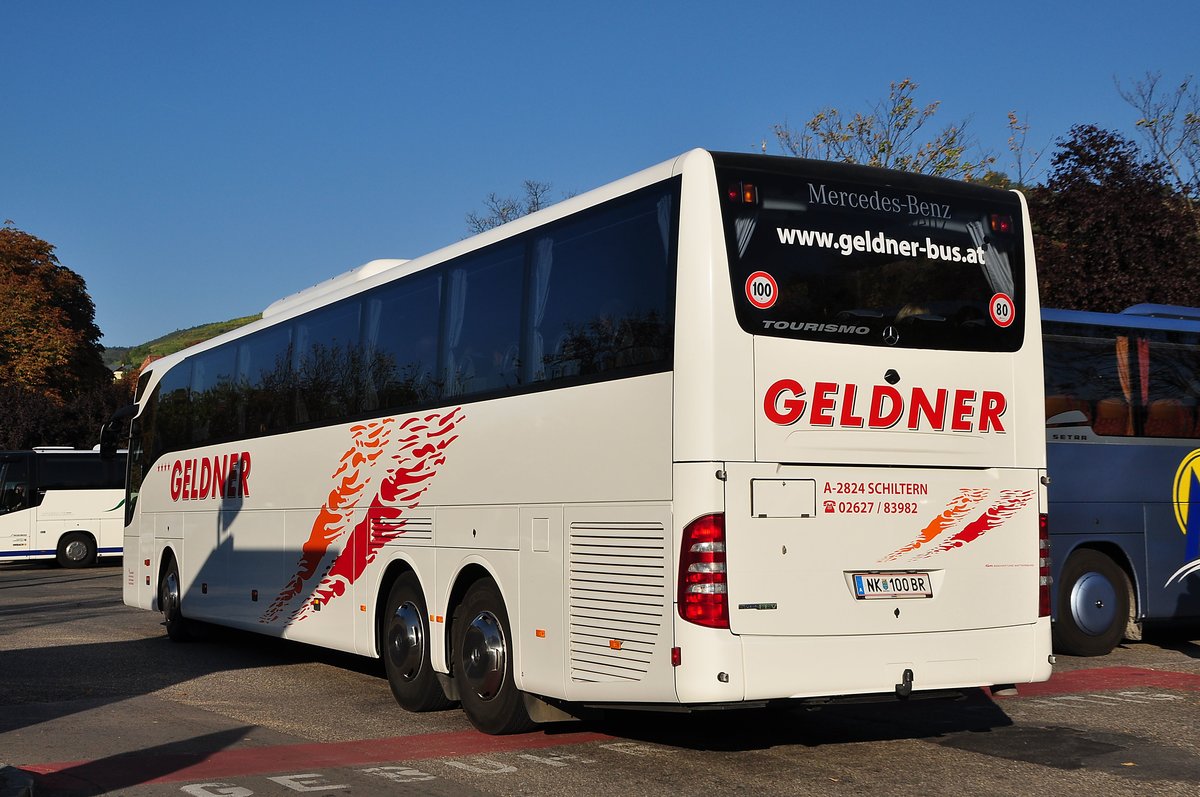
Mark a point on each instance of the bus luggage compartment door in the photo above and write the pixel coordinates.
(819, 551)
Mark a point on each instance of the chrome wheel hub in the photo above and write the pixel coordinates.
(484, 655)
(1094, 604)
(75, 550)
(406, 640)
(170, 594)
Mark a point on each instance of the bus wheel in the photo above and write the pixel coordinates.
(483, 662)
(406, 653)
(76, 549)
(170, 601)
(1093, 605)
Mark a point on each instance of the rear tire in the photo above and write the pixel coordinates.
(406, 648)
(170, 602)
(483, 662)
(1093, 605)
(76, 549)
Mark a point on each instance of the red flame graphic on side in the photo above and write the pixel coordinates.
(1011, 502)
(963, 503)
(415, 450)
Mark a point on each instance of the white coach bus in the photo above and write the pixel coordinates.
(61, 503)
(730, 430)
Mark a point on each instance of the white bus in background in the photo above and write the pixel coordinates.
(61, 503)
(730, 430)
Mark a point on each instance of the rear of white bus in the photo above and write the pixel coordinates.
(859, 483)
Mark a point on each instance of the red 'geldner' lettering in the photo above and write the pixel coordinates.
(833, 404)
(221, 476)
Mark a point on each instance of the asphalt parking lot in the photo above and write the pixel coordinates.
(95, 700)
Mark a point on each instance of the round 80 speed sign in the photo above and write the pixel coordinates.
(1002, 310)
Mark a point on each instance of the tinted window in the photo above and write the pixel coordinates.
(79, 472)
(848, 257)
(267, 380)
(588, 297)
(172, 421)
(483, 322)
(14, 484)
(329, 369)
(600, 290)
(216, 404)
(401, 343)
(1123, 382)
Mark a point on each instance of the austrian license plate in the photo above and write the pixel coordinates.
(868, 586)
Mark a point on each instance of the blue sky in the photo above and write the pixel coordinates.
(196, 161)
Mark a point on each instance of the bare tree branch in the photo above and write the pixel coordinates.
(890, 135)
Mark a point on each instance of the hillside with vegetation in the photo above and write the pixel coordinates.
(115, 356)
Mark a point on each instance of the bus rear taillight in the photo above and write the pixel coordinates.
(746, 193)
(1044, 579)
(703, 598)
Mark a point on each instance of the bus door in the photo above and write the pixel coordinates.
(16, 507)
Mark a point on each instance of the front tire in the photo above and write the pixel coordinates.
(406, 648)
(76, 549)
(1093, 605)
(483, 662)
(170, 602)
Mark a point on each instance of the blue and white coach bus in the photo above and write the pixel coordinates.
(1123, 440)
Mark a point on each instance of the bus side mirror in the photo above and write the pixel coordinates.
(111, 432)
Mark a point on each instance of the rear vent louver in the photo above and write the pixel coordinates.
(618, 599)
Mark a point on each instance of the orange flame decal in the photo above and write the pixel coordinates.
(402, 479)
(1011, 501)
(960, 505)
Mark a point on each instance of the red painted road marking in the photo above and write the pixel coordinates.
(1108, 678)
(121, 771)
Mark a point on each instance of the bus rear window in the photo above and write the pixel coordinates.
(912, 263)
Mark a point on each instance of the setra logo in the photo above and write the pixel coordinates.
(1186, 495)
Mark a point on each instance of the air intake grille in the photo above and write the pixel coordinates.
(618, 597)
(400, 530)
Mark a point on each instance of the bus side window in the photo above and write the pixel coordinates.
(329, 363)
(483, 322)
(601, 291)
(400, 346)
(267, 380)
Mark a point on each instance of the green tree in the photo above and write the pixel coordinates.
(1109, 228)
(891, 133)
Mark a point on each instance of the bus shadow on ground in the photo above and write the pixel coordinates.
(45, 684)
(123, 771)
(785, 723)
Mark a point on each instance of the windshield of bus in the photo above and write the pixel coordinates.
(14, 485)
(831, 252)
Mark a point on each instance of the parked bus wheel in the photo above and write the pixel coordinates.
(1093, 605)
(170, 601)
(406, 648)
(76, 549)
(483, 662)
